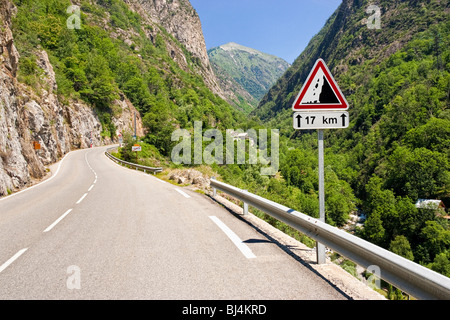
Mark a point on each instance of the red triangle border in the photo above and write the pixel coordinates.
(343, 105)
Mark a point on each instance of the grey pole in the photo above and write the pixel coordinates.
(320, 247)
(135, 129)
(245, 208)
(214, 189)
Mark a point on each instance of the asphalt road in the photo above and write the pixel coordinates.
(96, 230)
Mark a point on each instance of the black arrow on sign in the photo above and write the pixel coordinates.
(343, 116)
(299, 118)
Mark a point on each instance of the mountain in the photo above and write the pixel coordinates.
(181, 21)
(246, 72)
(349, 46)
(75, 74)
(396, 79)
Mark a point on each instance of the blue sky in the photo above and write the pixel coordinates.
(279, 27)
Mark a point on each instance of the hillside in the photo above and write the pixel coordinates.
(247, 72)
(75, 75)
(396, 150)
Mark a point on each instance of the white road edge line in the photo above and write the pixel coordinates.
(234, 237)
(81, 199)
(12, 259)
(39, 184)
(183, 193)
(50, 227)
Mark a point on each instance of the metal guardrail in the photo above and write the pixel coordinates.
(412, 278)
(130, 164)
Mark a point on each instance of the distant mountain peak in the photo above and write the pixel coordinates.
(233, 46)
(230, 46)
(249, 69)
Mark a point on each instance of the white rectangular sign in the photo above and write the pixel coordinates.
(321, 120)
(136, 148)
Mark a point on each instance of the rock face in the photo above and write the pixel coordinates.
(27, 117)
(180, 19)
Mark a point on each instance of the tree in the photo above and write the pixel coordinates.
(379, 199)
(339, 199)
(441, 263)
(418, 173)
(400, 245)
(374, 230)
(159, 127)
(436, 239)
(103, 88)
(434, 135)
(126, 152)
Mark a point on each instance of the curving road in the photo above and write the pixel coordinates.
(96, 230)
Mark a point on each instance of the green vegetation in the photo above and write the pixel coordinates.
(396, 149)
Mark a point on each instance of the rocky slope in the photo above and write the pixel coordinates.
(180, 19)
(29, 115)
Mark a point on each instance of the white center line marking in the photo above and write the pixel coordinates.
(234, 237)
(50, 227)
(183, 193)
(90, 188)
(12, 259)
(81, 199)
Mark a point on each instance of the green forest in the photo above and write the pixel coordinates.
(395, 151)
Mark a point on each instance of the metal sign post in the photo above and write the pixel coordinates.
(136, 148)
(321, 258)
(320, 105)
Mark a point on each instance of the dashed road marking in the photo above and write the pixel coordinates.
(82, 198)
(183, 193)
(50, 227)
(12, 259)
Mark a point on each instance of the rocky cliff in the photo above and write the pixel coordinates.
(37, 115)
(180, 19)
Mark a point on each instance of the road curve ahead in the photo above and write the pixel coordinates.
(97, 230)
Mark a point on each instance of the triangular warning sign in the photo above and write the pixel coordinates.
(320, 91)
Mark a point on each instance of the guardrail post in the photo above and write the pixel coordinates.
(214, 189)
(245, 206)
